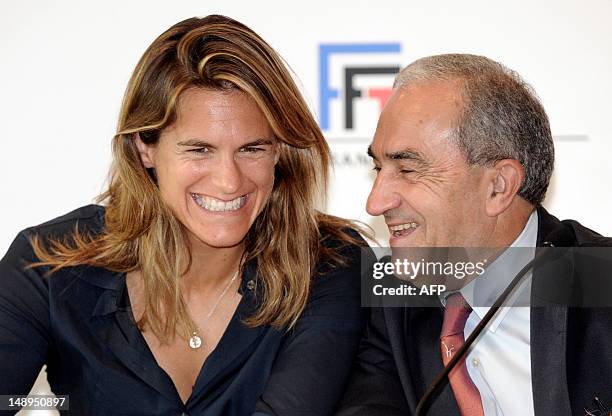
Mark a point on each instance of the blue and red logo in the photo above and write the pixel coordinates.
(365, 62)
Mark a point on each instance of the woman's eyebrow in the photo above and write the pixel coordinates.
(202, 143)
(259, 142)
(195, 143)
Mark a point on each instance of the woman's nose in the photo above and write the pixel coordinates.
(227, 176)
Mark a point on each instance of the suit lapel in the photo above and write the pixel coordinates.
(549, 334)
(548, 355)
(402, 341)
(421, 360)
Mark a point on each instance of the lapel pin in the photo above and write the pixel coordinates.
(601, 410)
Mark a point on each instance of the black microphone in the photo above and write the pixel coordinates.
(541, 255)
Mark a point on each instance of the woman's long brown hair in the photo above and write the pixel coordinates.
(141, 233)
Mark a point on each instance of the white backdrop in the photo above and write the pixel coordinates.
(65, 66)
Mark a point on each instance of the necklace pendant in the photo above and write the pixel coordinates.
(195, 341)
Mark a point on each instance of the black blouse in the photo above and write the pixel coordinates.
(79, 323)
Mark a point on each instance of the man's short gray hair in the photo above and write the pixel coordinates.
(501, 116)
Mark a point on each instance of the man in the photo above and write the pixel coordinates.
(464, 155)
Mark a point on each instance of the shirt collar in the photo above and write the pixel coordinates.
(116, 296)
(485, 289)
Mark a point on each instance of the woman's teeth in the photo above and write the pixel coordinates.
(212, 204)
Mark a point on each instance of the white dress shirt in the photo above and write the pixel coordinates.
(499, 361)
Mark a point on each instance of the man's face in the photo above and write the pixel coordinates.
(428, 194)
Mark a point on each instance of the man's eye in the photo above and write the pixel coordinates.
(200, 150)
(376, 169)
(406, 171)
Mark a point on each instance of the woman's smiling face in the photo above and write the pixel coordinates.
(215, 164)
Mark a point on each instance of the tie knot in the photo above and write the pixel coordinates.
(455, 315)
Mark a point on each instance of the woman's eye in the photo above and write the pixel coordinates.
(251, 149)
(376, 169)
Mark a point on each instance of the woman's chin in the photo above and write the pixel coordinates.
(224, 240)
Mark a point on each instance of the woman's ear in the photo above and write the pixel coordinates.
(147, 152)
(506, 178)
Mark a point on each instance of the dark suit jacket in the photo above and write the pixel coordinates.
(571, 351)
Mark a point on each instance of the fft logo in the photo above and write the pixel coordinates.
(348, 72)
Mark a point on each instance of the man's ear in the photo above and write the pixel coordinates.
(146, 152)
(505, 179)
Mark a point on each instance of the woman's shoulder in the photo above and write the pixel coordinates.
(335, 295)
(22, 276)
(89, 218)
(16, 262)
(346, 254)
(347, 241)
(29, 296)
(22, 281)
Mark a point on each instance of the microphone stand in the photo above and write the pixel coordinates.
(425, 402)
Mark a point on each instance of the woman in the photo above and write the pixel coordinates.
(208, 284)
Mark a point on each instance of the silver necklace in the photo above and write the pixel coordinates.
(195, 341)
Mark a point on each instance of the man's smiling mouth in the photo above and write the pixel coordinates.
(401, 229)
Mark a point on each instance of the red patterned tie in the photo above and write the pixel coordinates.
(466, 393)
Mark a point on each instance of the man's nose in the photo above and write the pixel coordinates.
(382, 197)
